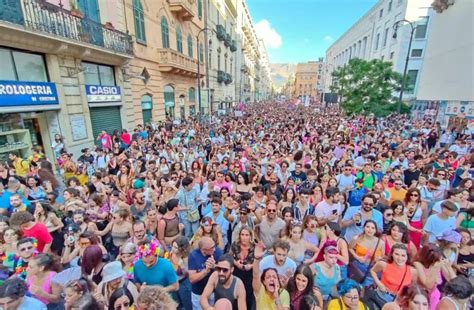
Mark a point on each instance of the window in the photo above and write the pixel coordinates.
(390, 5)
(201, 53)
(377, 40)
(416, 52)
(139, 20)
(199, 4)
(381, 14)
(385, 35)
(179, 40)
(190, 46)
(192, 94)
(20, 66)
(411, 77)
(165, 38)
(391, 55)
(98, 74)
(421, 27)
(218, 61)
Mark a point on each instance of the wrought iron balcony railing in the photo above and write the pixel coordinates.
(45, 17)
(228, 40)
(221, 76)
(233, 46)
(228, 78)
(220, 32)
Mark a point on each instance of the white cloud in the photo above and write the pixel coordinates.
(328, 39)
(268, 34)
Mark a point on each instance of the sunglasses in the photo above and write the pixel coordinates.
(83, 244)
(414, 195)
(26, 249)
(271, 210)
(399, 184)
(222, 269)
(368, 204)
(388, 214)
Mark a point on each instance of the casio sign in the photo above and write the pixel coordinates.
(103, 90)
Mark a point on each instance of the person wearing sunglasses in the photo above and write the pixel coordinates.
(355, 217)
(224, 285)
(397, 192)
(26, 251)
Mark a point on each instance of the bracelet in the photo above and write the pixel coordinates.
(278, 302)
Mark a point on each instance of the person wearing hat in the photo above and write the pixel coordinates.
(113, 279)
(454, 195)
(449, 243)
(239, 218)
(438, 223)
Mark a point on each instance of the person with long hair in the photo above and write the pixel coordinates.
(74, 290)
(366, 248)
(127, 258)
(298, 246)
(121, 299)
(289, 199)
(209, 229)
(465, 262)
(395, 273)
(399, 215)
(327, 273)
(40, 272)
(120, 229)
(398, 234)
(432, 268)
(411, 297)
(179, 259)
(243, 252)
(267, 288)
(92, 263)
(155, 298)
(301, 285)
(311, 232)
(417, 212)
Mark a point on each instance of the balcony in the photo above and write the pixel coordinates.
(177, 63)
(233, 46)
(221, 76)
(56, 23)
(227, 78)
(228, 40)
(182, 9)
(221, 35)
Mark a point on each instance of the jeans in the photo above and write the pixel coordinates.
(190, 228)
(196, 298)
(184, 295)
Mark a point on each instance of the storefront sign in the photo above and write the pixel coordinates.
(18, 93)
(101, 93)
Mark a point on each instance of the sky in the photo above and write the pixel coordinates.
(302, 30)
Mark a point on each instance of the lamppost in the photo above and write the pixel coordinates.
(395, 29)
(199, 66)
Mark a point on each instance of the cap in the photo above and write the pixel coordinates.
(335, 227)
(451, 236)
(243, 208)
(331, 250)
(451, 206)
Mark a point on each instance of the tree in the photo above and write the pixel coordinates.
(368, 87)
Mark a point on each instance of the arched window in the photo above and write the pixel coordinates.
(192, 94)
(169, 101)
(179, 39)
(200, 9)
(147, 107)
(190, 46)
(139, 19)
(165, 39)
(201, 53)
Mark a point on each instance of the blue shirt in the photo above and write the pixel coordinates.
(162, 273)
(222, 222)
(188, 199)
(197, 262)
(354, 230)
(31, 303)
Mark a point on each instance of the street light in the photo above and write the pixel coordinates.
(395, 29)
(199, 66)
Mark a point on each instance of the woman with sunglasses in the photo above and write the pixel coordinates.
(417, 212)
(120, 229)
(208, 228)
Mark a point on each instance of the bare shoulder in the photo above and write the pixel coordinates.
(391, 306)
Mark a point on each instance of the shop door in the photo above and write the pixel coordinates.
(105, 118)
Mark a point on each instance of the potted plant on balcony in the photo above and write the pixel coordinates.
(75, 9)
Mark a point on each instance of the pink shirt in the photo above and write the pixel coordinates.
(46, 286)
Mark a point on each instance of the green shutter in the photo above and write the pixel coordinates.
(105, 118)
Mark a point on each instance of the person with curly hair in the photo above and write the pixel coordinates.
(155, 298)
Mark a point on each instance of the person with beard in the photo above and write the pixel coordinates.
(272, 188)
(267, 288)
(280, 261)
(152, 270)
(224, 285)
(355, 217)
(26, 252)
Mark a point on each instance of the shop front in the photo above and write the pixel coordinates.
(28, 117)
(105, 103)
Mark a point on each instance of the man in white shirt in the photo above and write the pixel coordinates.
(329, 209)
(284, 265)
(345, 180)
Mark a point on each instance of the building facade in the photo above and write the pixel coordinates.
(222, 47)
(308, 80)
(62, 74)
(447, 78)
(372, 37)
(164, 72)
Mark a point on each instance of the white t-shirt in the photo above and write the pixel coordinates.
(324, 210)
(269, 262)
(435, 226)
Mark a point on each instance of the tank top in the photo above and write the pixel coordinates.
(172, 226)
(227, 293)
(325, 283)
(393, 276)
(46, 286)
(417, 215)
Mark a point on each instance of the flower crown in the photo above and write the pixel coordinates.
(154, 247)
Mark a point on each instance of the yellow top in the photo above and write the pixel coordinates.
(266, 302)
(336, 305)
(21, 167)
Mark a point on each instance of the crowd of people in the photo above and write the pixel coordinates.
(285, 207)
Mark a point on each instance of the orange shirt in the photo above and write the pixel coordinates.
(396, 194)
(392, 276)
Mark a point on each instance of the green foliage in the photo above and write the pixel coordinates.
(368, 87)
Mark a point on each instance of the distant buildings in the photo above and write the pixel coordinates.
(308, 78)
